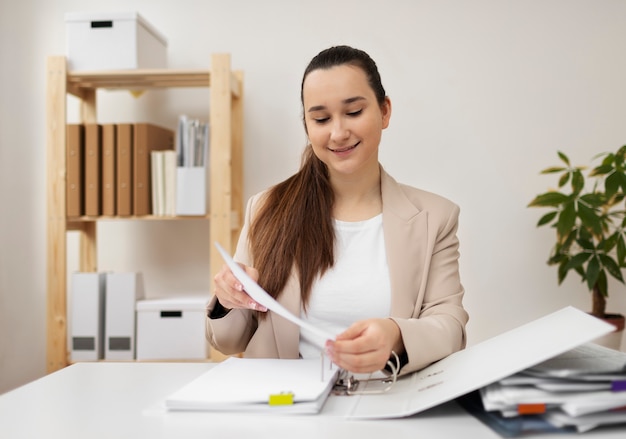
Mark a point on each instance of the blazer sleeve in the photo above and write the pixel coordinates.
(436, 328)
(230, 331)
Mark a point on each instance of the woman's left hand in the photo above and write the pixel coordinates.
(366, 345)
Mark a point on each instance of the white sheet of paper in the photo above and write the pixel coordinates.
(262, 297)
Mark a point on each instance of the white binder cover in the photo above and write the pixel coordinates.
(87, 324)
(476, 366)
(246, 384)
(122, 292)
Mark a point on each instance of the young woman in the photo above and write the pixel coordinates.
(343, 245)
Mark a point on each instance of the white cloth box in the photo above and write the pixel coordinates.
(172, 329)
(113, 41)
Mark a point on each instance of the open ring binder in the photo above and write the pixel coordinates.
(348, 384)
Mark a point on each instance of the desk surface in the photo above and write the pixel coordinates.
(119, 400)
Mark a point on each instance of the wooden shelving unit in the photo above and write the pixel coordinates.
(225, 170)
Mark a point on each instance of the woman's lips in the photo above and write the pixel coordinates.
(344, 149)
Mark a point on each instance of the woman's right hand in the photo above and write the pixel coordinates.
(230, 292)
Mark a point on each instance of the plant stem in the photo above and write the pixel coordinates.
(598, 302)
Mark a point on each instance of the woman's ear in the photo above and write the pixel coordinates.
(385, 109)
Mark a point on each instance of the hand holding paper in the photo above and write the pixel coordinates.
(262, 297)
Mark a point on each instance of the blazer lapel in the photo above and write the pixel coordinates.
(402, 223)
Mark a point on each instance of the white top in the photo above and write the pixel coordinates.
(357, 287)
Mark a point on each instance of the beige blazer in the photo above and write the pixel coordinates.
(422, 251)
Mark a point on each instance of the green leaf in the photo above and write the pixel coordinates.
(562, 273)
(612, 267)
(612, 184)
(590, 218)
(553, 170)
(585, 234)
(566, 220)
(549, 199)
(563, 157)
(577, 261)
(622, 180)
(593, 272)
(621, 155)
(593, 199)
(564, 179)
(621, 250)
(600, 170)
(547, 218)
(610, 242)
(557, 259)
(578, 182)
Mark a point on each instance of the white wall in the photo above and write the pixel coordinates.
(484, 92)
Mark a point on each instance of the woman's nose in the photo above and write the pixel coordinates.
(339, 131)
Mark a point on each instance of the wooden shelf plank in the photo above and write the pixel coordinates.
(140, 78)
(144, 79)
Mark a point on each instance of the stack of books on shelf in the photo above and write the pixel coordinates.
(109, 168)
(580, 390)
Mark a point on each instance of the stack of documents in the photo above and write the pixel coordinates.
(258, 385)
(581, 389)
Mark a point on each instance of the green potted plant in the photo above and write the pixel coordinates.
(588, 215)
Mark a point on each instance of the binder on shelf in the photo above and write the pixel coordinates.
(146, 138)
(74, 157)
(109, 148)
(87, 316)
(124, 177)
(122, 292)
(93, 169)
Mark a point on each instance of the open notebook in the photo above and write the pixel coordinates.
(238, 384)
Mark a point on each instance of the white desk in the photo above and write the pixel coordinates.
(122, 400)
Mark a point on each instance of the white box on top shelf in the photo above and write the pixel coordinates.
(172, 329)
(113, 41)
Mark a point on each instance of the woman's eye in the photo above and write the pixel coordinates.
(321, 120)
(355, 113)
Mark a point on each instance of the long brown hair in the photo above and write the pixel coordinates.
(294, 225)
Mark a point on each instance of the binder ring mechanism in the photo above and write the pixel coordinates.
(348, 384)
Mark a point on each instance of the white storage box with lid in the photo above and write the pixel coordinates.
(113, 41)
(172, 329)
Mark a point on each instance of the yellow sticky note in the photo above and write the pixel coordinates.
(285, 398)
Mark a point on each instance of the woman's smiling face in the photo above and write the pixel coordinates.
(343, 119)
